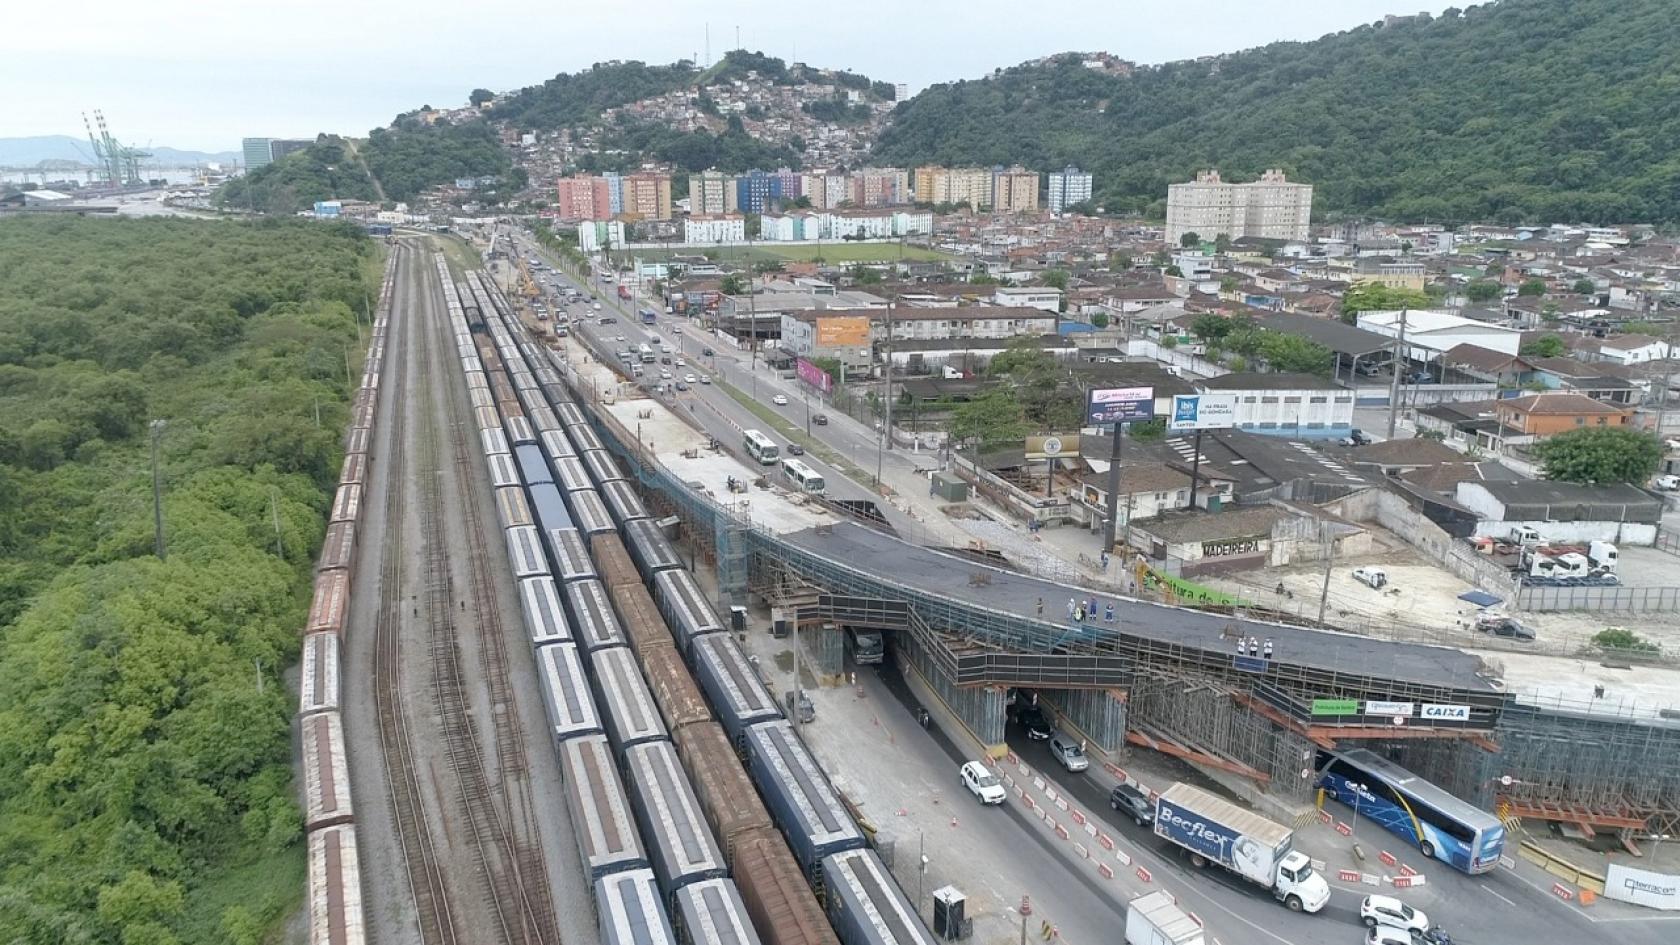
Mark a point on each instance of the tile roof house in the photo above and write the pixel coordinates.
(1541, 415)
(1488, 365)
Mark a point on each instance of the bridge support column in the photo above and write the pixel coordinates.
(1099, 715)
(977, 711)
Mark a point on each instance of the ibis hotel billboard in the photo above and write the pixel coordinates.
(1203, 412)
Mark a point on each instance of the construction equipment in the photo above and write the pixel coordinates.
(114, 162)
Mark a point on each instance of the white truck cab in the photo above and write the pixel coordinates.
(1296, 878)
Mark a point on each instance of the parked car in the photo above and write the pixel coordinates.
(1133, 803)
(982, 783)
(780, 400)
(1389, 912)
(820, 419)
(794, 449)
(1374, 578)
(1355, 437)
(1667, 483)
(1503, 626)
(799, 704)
(1067, 751)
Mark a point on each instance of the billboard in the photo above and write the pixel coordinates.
(1120, 405)
(1642, 887)
(1203, 412)
(843, 331)
(1052, 447)
(815, 376)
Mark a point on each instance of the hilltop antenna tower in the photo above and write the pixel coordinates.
(708, 64)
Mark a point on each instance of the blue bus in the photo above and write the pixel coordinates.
(648, 316)
(1440, 825)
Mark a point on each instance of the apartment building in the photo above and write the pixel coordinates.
(1269, 208)
(582, 198)
(599, 235)
(711, 193)
(1068, 186)
(721, 228)
(955, 185)
(647, 195)
(970, 321)
(1014, 190)
(879, 186)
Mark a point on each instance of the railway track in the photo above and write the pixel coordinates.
(403, 785)
(500, 816)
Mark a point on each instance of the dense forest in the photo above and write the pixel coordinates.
(145, 776)
(326, 170)
(1528, 110)
(411, 155)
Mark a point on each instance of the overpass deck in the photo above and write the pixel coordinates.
(1139, 625)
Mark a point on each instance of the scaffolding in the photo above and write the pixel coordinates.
(1203, 719)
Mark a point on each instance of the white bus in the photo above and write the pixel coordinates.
(762, 448)
(646, 351)
(804, 478)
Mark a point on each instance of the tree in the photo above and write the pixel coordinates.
(1545, 346)
(1211, 327)
(1621, 638)
(1483, 291)
(1121, 262)
(1532, 288)
(1600, 455)
(1222, 243)
(1173, 270)
(1585, 287)
(480, 96)
(732, 284)
(1055, 279)
(1229, 284)
(1375, 297)
(753, 225)
(993, 419)
(1190, 240)
(1099, 320)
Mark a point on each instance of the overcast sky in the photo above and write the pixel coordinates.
(196, 75)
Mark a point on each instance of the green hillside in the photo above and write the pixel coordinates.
(1528, 110)
(578, 98)
(322, 171)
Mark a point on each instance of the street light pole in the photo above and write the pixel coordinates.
(1358, 792)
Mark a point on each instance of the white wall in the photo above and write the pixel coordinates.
(1621, 533)
(1293, 413)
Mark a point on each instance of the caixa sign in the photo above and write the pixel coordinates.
(1445, 713)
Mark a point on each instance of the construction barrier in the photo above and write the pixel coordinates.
(1105, 871)
(1324, 817)
(1344, 829)
(1561, 868)
(1387, 858)
(1348, 876)
(1083, 853)
(1143, 874)
(1562, 892)
(1106, 841)
(1079, 818)
(1124, 857)
(1407, 870)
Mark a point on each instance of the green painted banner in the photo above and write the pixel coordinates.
(1335, 707)
(1189, 592)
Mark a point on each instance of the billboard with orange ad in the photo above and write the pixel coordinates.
(843, 331)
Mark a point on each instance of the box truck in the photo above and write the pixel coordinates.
(1214, 830)
(1156, 919)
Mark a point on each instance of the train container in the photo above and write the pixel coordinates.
(725, 793)
(584, 438)
(601, 821)
(354, 469)
(593, 622)
(525, 552)
(502, 391)
(545, 375)
(487, 418)
(571, 415)
(362, 415)
(318, 674)
(686, 610)
(590, 513)
(565, 689)
(628, 910)
(866, 903)
(602, 466)
(338, 550)
(627, 708)
(347, 503)
(680, 845)
(502, 471)
(711, 912)
(522, 380)
(622, 502)
(511, 508)
(678, 698)
(358, 441)
(494, 441)
(571, 474)
(556, 393)
(732, 684)
(545, 616)
(548, 507)
(543, 418)
(780, 902)
(477, 380)
(480, 397)
(331, 603)
(532, 465)
(571, 555)
(801, 801)
(335, 888)
(642, 623)
(530, 400)
(556, 445)
(326, 775)
(649, 548)
(614, 561)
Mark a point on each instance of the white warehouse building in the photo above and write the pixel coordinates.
(1430, 332)
(1298, 406)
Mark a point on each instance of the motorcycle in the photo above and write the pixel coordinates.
(1435, 936)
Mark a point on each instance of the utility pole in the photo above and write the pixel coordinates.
(1398, 362)
(1113, 487)
(886, 427)
(1329, 557)
(274, 505)
(157, 492)
(1195, 469)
